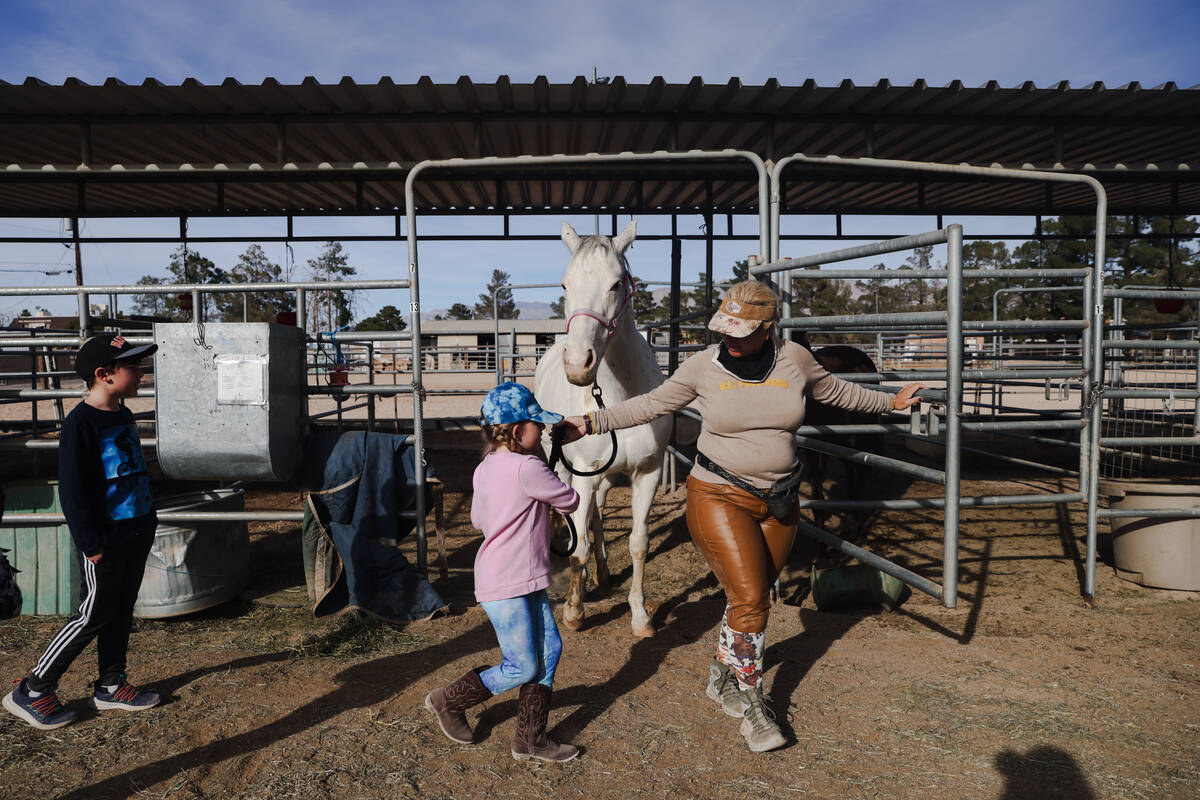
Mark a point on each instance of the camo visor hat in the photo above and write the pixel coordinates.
(740, 319)
(512, 402)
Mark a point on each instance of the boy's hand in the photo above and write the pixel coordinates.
(571, 429)
(96, 558)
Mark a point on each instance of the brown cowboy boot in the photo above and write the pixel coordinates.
(531, 740)
(449, 702)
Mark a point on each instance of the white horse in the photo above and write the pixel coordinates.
(602, 347)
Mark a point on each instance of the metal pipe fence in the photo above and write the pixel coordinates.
(1091, 351)
(954, 326)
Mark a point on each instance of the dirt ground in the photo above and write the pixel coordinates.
(1020, 692)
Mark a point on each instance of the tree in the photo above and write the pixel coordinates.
(741, 270)
(154, 305)
(389, 318)
(331, 308)
(645, 307)
(923, 293)
(1157, 255)
(185, 266)
(557, 306)
(506, 307)
(978, 292)
(254, 267)
(461, 311)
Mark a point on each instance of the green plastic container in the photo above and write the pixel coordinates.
(44, 554)
(857, 586)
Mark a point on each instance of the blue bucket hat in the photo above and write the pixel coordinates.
(512, 402)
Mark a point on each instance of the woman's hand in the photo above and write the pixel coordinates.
(571, 429)
(905, 397)
(96, 558)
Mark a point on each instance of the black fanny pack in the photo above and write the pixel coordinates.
(781, 499)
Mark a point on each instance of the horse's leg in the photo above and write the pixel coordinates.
(645, 484)
(599, 547)
(577, 563)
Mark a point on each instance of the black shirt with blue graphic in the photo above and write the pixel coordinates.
(103, 485)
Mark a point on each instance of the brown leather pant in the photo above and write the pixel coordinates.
(744, 545)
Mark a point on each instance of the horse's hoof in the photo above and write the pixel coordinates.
(643, 631)
(573, 622)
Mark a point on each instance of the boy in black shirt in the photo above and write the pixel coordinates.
(104, 490)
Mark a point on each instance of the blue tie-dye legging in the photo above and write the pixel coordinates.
(528, 638)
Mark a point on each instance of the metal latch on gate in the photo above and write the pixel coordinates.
(1060, 392)
(923, 420)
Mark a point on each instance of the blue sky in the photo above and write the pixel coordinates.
(1111, 41)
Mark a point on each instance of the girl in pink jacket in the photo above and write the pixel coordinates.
(513, 493)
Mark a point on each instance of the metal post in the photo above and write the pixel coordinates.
(512, 350)
(418, 389)
(301, 301)
(708, 262)
(1097, 376)
(954, 388)
(676, 267)
(84, 311)
(496, 338)
(371, 380)
(33, 381)
(84, 317)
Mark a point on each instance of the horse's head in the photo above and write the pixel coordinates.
(599, 294)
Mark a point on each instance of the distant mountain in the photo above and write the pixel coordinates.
(528, 311)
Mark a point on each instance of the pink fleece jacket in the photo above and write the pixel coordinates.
(511, 505)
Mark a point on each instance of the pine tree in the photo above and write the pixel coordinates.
(187, 266)
(153, 305)
(389, 318)
(330, 309)
(254, 267)
(506, 307)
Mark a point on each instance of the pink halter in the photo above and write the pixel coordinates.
(609, 324)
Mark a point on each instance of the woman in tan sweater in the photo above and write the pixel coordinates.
(750, 391)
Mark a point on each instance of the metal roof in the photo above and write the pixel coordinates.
(155, 150)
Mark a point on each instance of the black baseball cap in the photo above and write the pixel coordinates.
(105, 349)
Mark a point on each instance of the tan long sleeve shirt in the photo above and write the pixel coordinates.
(746, 427)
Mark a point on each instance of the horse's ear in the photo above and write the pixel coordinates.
(626, 237)
(570, 237)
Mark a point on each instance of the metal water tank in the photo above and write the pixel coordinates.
(195, 565)
(230, 400)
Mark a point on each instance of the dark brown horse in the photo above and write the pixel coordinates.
(841, 359)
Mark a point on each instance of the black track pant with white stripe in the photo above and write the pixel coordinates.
(107, 594)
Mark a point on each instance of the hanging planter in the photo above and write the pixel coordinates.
(1168, 305)
(339, 376)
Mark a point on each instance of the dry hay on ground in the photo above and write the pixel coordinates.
(1021, 691)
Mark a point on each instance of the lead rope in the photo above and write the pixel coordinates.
(556, 455)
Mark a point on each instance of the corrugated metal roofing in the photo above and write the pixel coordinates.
(270, 139)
